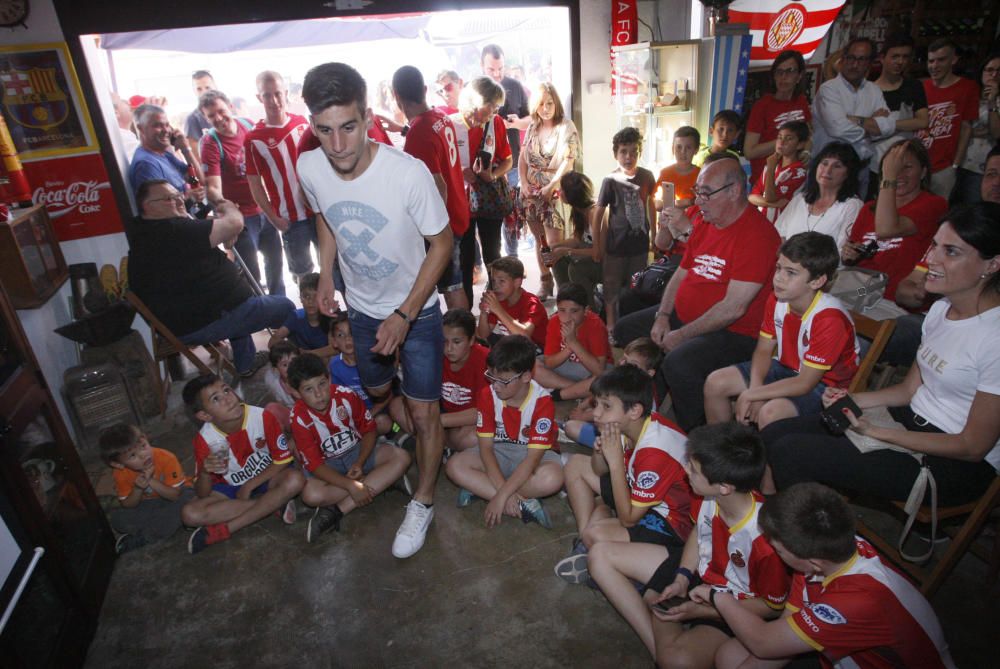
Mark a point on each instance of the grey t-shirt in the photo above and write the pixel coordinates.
(196, 125)
(628, 220)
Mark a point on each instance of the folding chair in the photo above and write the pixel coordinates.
(879, 333)
(962, 538)
(166, 344)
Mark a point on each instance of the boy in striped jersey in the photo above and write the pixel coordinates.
(336, 438)
(845, 603)
(726, 548)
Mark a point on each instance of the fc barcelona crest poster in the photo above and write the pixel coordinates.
(42, 102)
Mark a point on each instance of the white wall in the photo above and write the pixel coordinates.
(55, 353)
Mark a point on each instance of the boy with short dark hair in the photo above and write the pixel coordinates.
(306, 327)
(683, 173)
(637, 470)
(627, 194)
(577, 351)
(462, 379)
(151, 487)
(640, 352)
(725, 129)
(515, 462)
(506, 308)
(336, 439)
(276, 379)
(241, 461)
(809, 331)
(784, 172)
(844, 603)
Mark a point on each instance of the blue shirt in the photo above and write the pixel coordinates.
(347, 375)
(147, 165)
(303, 335)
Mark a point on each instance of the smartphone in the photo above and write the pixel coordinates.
(667, 194)
(833, 416)
(664, 607)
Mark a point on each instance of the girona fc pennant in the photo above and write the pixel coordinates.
(776, 25)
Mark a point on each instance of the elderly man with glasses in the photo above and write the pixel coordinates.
(712, 307)
(851, 109)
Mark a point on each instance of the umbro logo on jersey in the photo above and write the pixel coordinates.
(828, 614)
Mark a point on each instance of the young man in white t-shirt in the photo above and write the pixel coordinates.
(376, 207)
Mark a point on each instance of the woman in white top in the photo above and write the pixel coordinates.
(551, 145)
(949, 402)
(985, 133)
(827, 201)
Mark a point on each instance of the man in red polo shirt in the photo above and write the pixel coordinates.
(430, 137)
(712, 307)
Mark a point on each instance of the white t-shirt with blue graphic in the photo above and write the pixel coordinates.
(379, 220)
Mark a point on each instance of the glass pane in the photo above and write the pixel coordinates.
(11, 357)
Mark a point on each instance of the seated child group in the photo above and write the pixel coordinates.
(671, 527)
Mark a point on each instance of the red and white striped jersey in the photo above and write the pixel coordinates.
(332, 433)
(655, 473)
(740, 557)
(271, 153)
(533, 424)
(252, 448)
(867, 616)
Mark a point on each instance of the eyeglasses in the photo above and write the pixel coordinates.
(500, 382)
(786, 72)
(176, 197)
(706, 195)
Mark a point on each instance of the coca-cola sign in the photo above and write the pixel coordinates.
(76, 192)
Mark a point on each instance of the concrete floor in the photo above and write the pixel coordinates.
(471, 597)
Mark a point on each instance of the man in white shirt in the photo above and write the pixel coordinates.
(851, 109)
(376, 210)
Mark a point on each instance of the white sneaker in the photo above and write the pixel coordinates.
(411, 534)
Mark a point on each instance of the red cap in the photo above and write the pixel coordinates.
(135, 101)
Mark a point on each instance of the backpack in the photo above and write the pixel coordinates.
(213, 133)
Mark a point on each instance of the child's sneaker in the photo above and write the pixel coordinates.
(532, 510)
(465, 498)
(573, 569)
(289, 514)
(411, 534)
(129, 542)
(206, 535)
(322, 520)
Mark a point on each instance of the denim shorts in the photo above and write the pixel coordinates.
(451, 277)
(296, 240)
(231, 490)
(421, 355)
(343, 463)
(810, 403)
(510, 455)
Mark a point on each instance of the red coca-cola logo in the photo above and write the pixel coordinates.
(61, 199)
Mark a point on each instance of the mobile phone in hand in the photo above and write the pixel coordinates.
(668, 194)
(833, 416)
(665, 606)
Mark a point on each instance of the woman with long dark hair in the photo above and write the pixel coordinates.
(577, 259)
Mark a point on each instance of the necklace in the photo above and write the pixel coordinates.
(810, 224)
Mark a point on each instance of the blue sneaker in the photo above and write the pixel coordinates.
(464, 498)
(532, 510)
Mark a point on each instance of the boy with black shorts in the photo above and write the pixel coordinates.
(241, 460)
(637, 470)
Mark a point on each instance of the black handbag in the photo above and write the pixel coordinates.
(648, 284)
(490, 199)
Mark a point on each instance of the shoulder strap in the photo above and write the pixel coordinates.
(215, 135)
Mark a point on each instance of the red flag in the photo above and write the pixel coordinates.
(624, 30)
(777, 25)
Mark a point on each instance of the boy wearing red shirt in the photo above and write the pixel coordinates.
(506, 308)
(462, 378)
(806, 343)
(784, 172)
(845, 602)
(241, 460)
(637, 470)
(515, 462)
(577, 351)
(335, 435)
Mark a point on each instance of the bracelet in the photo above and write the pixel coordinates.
(661, 313)
(888, 183)
(711, 598)
(693, 579)
(399, 313)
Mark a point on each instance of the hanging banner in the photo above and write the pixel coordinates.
(776, 25)
(77, 194)
(624, 31)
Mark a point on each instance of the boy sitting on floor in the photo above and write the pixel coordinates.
(241, 461)
(576, 347)
(506, 308)
(335, 435)
(809, 331)
(845, 602)
(637, 470)
(462, 379)
(306, 327)
(151, 486)
(515, 463)
(276, 379)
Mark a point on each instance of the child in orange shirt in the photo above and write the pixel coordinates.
(683, 173)
(151, 487)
